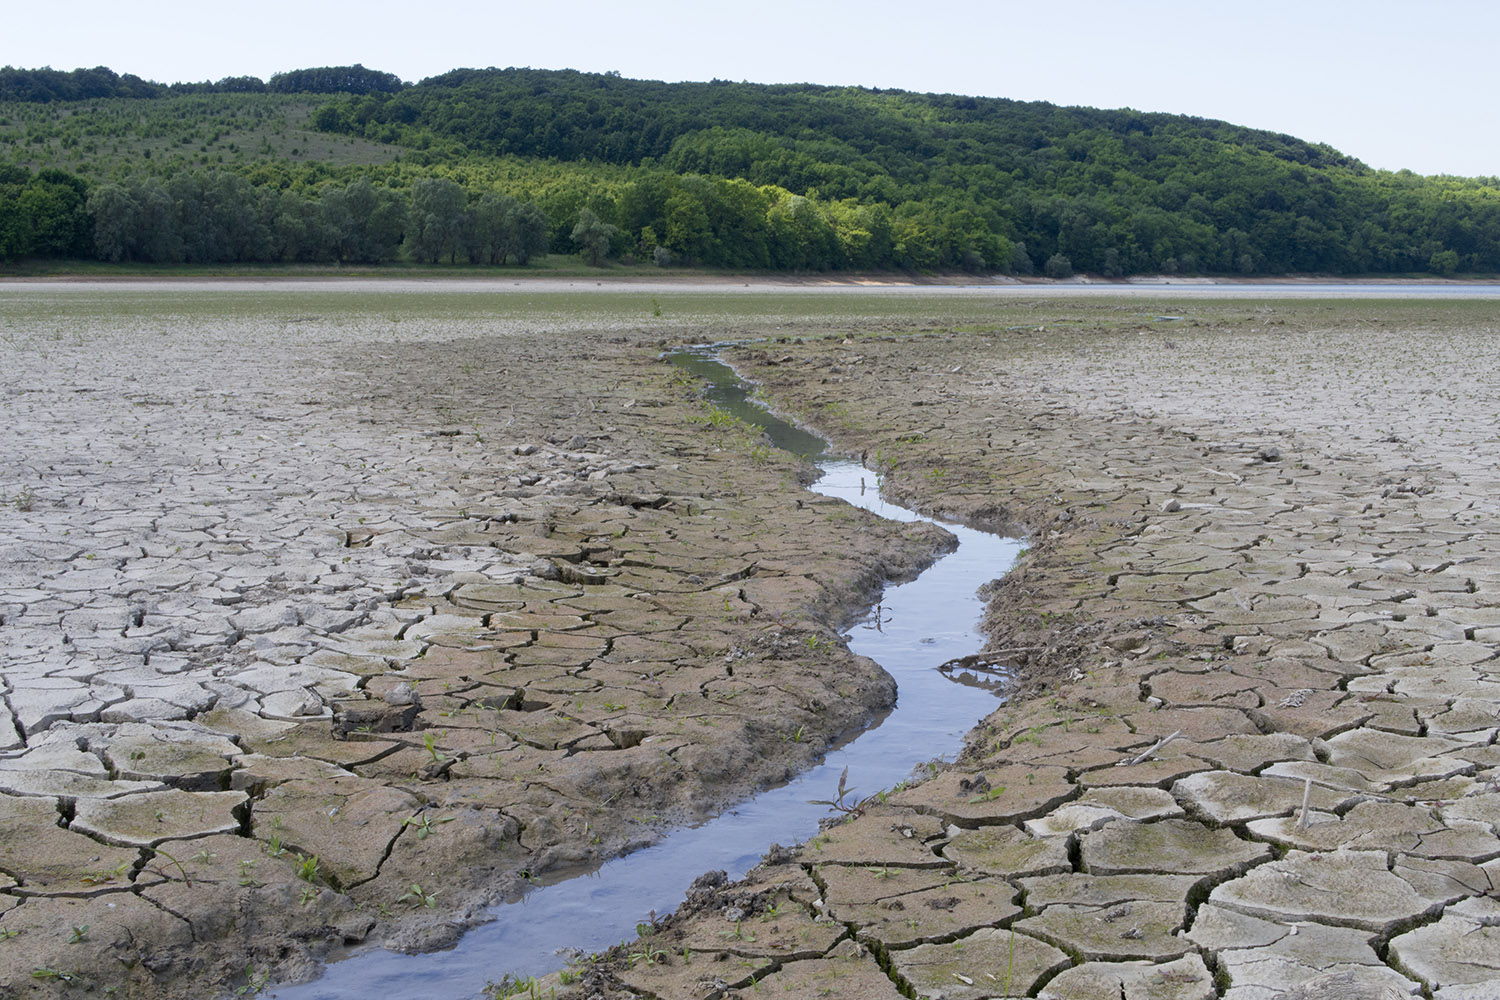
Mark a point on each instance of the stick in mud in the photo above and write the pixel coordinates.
(1153, 749)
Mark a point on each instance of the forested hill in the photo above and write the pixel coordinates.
(782, 177)
(977, 182)
(570, 115)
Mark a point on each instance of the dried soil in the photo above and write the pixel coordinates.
(1252, 749)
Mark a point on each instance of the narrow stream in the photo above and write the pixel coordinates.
(915, 628)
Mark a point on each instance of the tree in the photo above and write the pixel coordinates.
(1058, 266)
(491, 217)
(437, 219)
(53, 207)
(115, 215)
(529, 233)
(295, 226)
(363, 223)
(592, 236)
(334, 79)
(1020, 260)
(1444, 262)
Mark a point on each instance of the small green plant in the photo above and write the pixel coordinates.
(738, 934)
(425, 824)
(646, 956)
(308, 894)
(253, 984)
(274, 846)
(157, 851)
(511, 987)
(24, 499)
(54, 975)
(78, 934)
(6, 933)
(104, 877)
(417, 897)
(843, 801)
(990, 795)
(305, 867)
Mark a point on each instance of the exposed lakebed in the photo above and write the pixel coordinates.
(916, 628)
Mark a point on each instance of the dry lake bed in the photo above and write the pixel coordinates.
(335, 613)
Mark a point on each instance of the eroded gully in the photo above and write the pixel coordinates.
(914, 629)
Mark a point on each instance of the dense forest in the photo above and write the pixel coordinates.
(43, 86)
(493, 166)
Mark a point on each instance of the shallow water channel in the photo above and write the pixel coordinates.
(916, 627)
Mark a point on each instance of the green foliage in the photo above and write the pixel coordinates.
(335, 80)
(895, 179)
(498, 166)
(593, 236)
(417, 897)
(43, 86)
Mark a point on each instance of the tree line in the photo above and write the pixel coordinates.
(217, 216)
(42, 86)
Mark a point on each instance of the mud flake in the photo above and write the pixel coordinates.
(1005, 794)
(1305, 953)
(1184, 979)
(991, 962)
(1343, 888)
(956, 907)
(886, 835)
(1462, 948)
(149, 818)
(1228, 797)
(1009, 852)
(848, 971)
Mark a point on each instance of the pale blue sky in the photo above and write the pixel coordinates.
(1395, 84)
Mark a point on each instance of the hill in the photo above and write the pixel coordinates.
(794, 177)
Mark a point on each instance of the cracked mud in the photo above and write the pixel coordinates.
(333, 619)
(468, 599)
(1252, 752)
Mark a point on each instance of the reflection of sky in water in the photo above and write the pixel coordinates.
(915, 628)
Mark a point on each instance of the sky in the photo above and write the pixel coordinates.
(1398, 85)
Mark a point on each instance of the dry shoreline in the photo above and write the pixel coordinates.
(1235, 517)
(301, 654)
(1253, 750)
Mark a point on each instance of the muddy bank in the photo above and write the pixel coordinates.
(1253, 754)
(324, 628)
